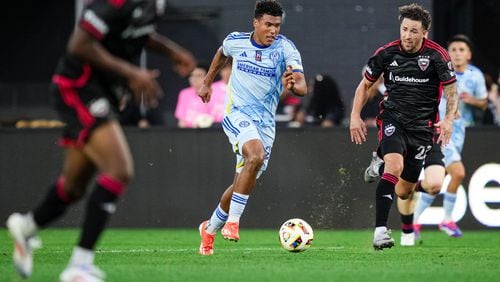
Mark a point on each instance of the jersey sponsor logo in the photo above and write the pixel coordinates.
(255, 69)
(243, 54)
(389, 129)
(244, 123)
(398, 78)
(258, 56)
(135, 32)
(394, 64)
(99, 108)
(423, 62)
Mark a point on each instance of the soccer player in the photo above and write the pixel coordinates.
(472, 92)
(414, 69)
(100, 65)
(263, 62)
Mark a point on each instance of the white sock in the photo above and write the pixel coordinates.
(237, 206)
(219, 217)
(30, 228)
(449, 204)
(81, 256)
(424, 202)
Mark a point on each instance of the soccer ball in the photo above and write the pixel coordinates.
(296, 235)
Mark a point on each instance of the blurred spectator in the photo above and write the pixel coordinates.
(191, 112)
(492, 113)
(135, 113)
(325, 108)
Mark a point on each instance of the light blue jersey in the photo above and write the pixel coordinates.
(254, 90)
(255, 85)
(472, 82)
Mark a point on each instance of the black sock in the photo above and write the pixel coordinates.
(407, 223)
(101, 205)
(383, 198)
(52, 207)
(381, 169)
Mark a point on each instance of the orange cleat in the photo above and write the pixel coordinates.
(230, 231)
(207, 240)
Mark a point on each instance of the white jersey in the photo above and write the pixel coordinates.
(255, 85)
(472, 82)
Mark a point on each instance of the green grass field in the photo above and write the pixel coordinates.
(171, 255)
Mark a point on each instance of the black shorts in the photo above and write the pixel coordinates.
(413, 146)
(82, 104)
(434, 156)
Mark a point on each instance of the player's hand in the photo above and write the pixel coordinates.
(358, 130)
(466, 97)
(184, 63)
(145, 87)
(446, 128)
(288, 79)
(205, 92)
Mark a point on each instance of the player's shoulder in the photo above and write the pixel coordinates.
(285, 41)
(436, 49)
(238, 35)
(474, 69)
(392, 46)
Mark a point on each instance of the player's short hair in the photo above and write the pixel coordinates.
(415, 12)
(461, 38)
(268, 7)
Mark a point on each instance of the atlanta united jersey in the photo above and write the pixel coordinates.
(471, 81)
(255, 84)
(121, 26)
(413, 82)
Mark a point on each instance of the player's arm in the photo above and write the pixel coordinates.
(183, 59)
(87, 48)
(446, 124)
(467, 98)
(217, 64)
(295, 82)
(357, 126)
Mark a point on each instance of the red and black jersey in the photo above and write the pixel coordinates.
(121, 26)
(413, 82)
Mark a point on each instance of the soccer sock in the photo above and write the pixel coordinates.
(383, 198)
(407, 223)
(100, 206)
(53, 206)
(237, 206)
(424, 202)
(219, 217)
(81, 256)
(448, 205)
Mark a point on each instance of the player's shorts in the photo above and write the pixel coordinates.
(239, 129)
(82, 104)
(393, 139)
(453, 150)
(434, 156)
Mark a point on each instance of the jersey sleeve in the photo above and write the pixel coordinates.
(229, 43)
(444, 68)
(100, 15)
(292, 56)
(375, 66)
(480, 91)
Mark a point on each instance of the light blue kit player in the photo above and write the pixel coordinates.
(471, 87)
(263, 64)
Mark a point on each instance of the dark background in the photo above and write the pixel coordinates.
(334, 37)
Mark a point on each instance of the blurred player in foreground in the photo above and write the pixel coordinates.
(100, 65)
(263, 62)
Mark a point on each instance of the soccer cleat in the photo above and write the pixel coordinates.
(407, 239)
(22, 230)
(371, 172)
(230, 231)
(82, 273)
(450, 228)
(207, 240)
(382, 240)
(416, 230)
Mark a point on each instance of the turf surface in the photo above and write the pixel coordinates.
(171, 255)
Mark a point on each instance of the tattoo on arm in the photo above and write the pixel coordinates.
(451, 98)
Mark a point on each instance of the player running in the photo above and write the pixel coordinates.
(263, 62)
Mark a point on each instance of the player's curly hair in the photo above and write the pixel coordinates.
(268, 7)
(415, 12)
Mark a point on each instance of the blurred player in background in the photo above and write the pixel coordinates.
(100, 65)
(263, 62)
(414, 68)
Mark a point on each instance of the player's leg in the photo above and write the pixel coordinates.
(107, 148)
(69, 187)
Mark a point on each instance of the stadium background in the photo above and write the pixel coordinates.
(314, 173)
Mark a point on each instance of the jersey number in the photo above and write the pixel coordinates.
(422, 152)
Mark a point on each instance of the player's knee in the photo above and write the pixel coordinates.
(394, 168)
(404, 195)
(254, 160)
(434, 188)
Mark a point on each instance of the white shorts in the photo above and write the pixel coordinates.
(453, 151)
(240, 128)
